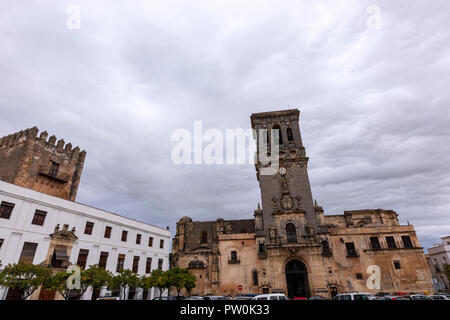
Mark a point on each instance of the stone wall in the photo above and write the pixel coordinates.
(316, 249)
(26, 160)
(402, 269)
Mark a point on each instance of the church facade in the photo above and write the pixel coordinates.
(290, 245)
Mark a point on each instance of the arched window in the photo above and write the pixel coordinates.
(255, 277)
(280, 138)
(291, 233)
(204, 237)
(289, 134)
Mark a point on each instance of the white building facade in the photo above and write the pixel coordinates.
(47, 230)
(438, 258)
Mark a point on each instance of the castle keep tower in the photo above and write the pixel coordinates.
(41, 164)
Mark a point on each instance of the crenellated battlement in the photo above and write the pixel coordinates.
(17, 138)
(41, 162)
(31, 135)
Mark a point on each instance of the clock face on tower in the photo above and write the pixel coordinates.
(282, 171)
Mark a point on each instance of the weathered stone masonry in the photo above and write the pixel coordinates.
(41, 163)
(291, 246)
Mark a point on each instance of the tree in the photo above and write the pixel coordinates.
(160, 280)
(24, 277)
(176, 280)
(146, 283)
(190, 283)
(123, 280)
(58, 282)
(95, 277)
(180, 278)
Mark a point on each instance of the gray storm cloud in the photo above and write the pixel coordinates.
(374, 102)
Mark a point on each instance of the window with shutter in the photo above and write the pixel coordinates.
(82, 258)
(39, 217)
(28, 252)
(6, 209)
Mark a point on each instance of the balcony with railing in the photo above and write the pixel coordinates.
(325, 247)
(262, 252)
(353, 253)
(60, 176)
(327, 252)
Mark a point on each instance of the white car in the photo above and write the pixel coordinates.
(439, 297)
(108, 298)
(354, 296)
(419, 297)
(214, 298)
(270, 296)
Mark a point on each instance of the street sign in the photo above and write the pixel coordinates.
(240, 287)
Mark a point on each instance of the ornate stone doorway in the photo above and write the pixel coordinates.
(297, 279)
(333, 292)
(14, 294)
(47, 294)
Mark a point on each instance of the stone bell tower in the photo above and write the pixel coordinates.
(286, 193)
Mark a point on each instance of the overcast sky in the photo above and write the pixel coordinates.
(373, 96)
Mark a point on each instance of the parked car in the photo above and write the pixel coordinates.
(242, 298)
(439, 297)
(385, 298)
(211, 297)
(171, 298)
(419, 297)
(361, 296)
(318, 298)
(270, 296)
(382, 294)
(108, 298)
(299, 298)
(402, 297)
(195, 298)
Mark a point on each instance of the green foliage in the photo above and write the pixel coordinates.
(145, 283)
(123, 280)
(176, 277)
(25, 277)
(181, 278)
(160, 280)
(190, 283)
(58, 282)
(96, 277)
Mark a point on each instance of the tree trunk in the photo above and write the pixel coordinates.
(94, 294)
